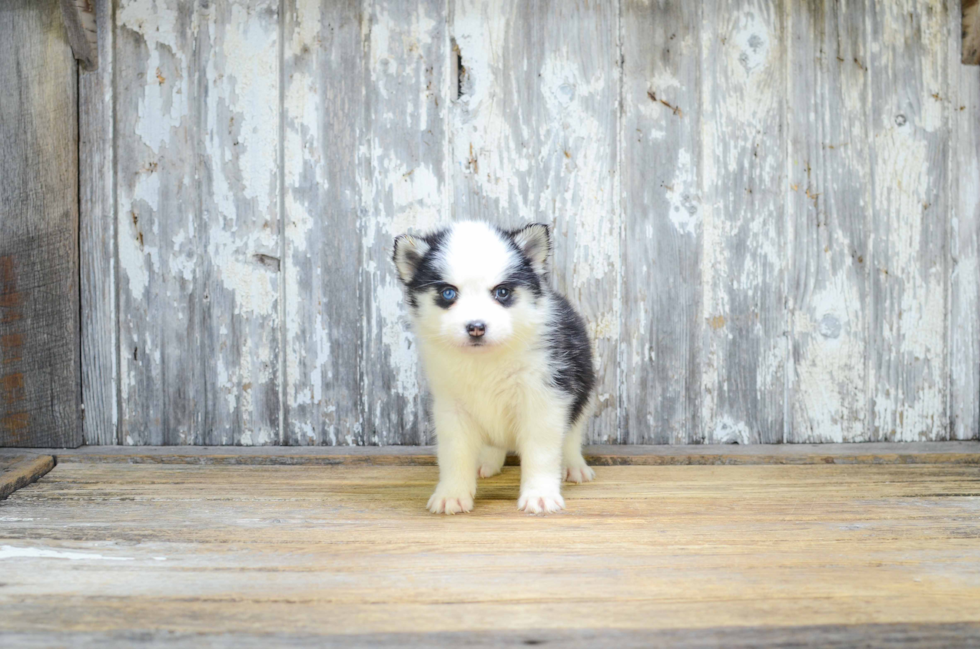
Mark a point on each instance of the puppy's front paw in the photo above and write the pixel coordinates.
(580, 473)
(540, 501)
(450, 501)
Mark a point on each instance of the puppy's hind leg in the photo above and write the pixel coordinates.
(491, 461)
(573, 464)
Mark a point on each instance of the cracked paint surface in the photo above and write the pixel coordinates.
(767, 245)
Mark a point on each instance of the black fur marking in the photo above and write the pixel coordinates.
(524, 277)
(426, 276)
(571, 351)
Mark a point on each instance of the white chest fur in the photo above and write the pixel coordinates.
(495, 388)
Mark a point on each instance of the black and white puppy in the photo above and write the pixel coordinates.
(508, 360)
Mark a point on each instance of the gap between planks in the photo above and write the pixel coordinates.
(964, 453)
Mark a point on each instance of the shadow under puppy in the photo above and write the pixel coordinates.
(507, 358)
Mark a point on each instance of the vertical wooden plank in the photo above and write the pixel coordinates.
(829, 212)
(743, 188)
(39, 340)
(97, 240)
(535, 138)
(662, 211)
(365, 140)
(159, 224)
(239, 174)
(197, 218)
(908, 72)
(403, 188)
(964, 204)
(324, 123)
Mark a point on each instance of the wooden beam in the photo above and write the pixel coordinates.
(19, 472)
(83, 35)
(971, 32)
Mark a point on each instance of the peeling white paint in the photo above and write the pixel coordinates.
(244, 82)
(164, 104)
(533, 137)
(742, 252)
(397, 338)
(683, 195)
(914, 326)
(132, 262)
(730, 431)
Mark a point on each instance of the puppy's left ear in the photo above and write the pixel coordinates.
(408, 255)
(535, 242)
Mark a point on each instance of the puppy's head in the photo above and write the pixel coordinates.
(474, 286)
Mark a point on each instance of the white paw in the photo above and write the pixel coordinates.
(488, 471)
(578, 474)
(540, 501)
(450, 501)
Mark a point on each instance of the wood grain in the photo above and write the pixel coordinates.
(97, 240)
(964, 246)
(238, 87)
(910, 226)
(744, 226)
(404, 157)
(829, 214)
(898, 635)
(661, 188)
(160, 301)
(766, 211)
(323, 118)
(110, 550)
(534, 138)
(198, 222)
(39, 340)
(365, 155)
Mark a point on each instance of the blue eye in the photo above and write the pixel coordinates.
(449, 294)
(501, 293)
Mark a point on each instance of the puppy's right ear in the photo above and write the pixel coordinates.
(408, 255)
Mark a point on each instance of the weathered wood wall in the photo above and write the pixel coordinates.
(40, 387)
(767, 209)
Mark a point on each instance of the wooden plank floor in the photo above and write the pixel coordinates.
(104, 554)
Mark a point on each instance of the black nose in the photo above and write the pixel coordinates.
(476, 329)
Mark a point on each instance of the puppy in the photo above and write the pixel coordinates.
(508, 360)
